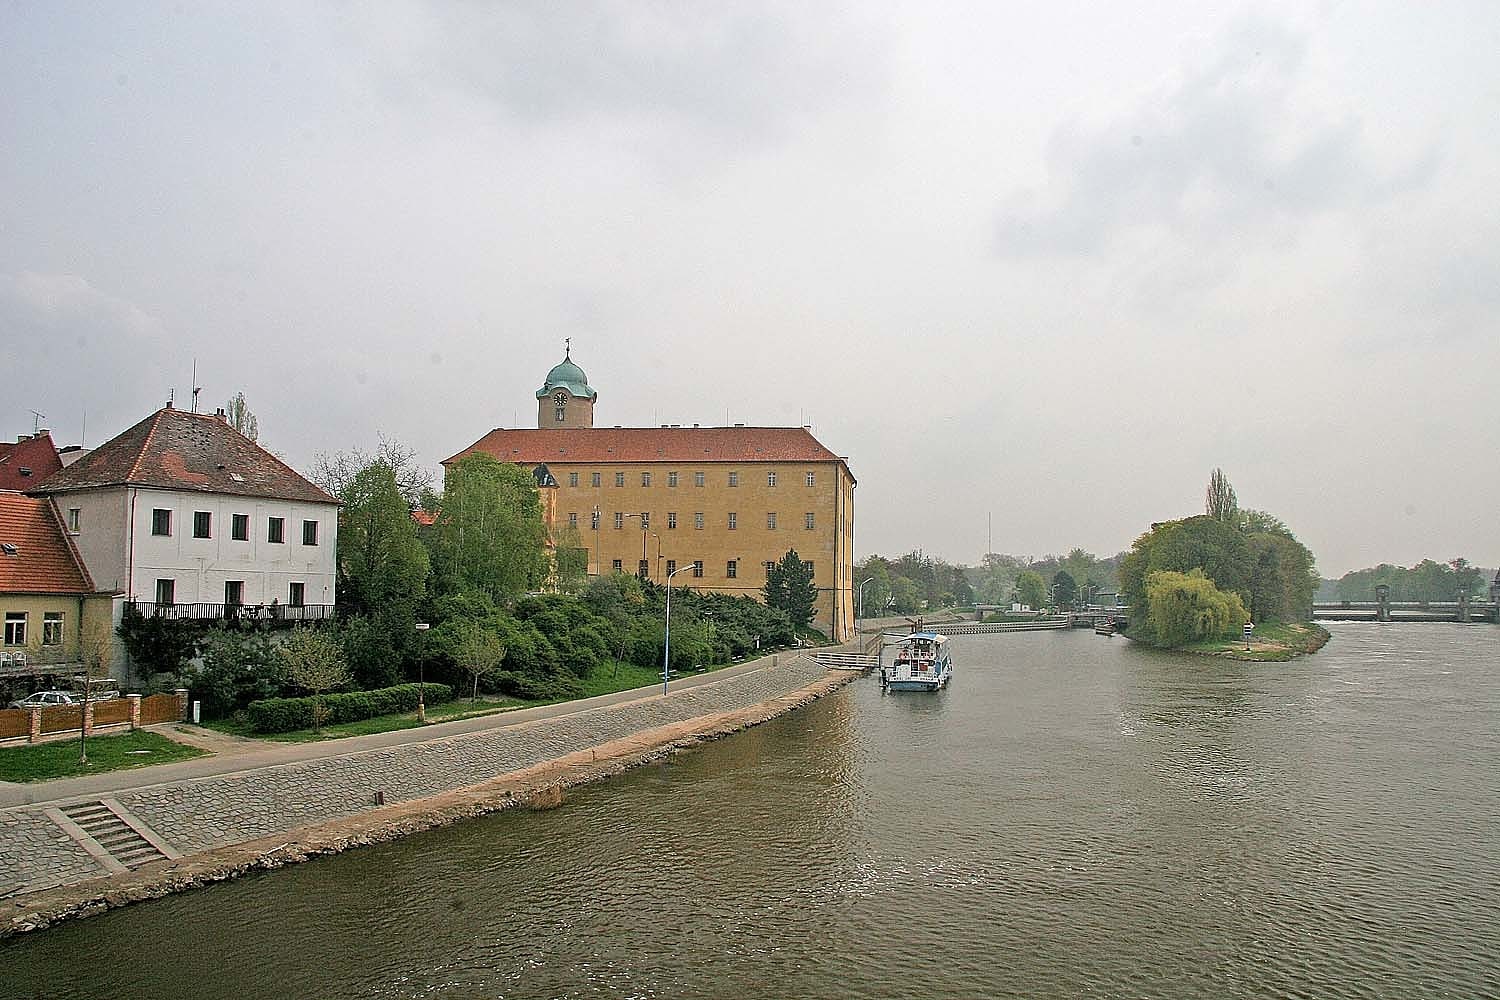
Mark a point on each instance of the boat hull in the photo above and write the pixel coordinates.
(917, 684)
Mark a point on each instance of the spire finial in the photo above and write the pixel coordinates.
(567, 348)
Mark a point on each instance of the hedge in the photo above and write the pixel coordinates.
(283, 715)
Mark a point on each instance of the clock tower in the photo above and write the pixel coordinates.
(565, 400)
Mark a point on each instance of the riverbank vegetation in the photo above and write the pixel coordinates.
(915, 583)
(45, 761)
(1428, 580)
(1194, 582)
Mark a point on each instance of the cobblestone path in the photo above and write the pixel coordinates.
(202, 813)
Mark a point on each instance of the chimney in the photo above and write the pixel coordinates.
(41, 433)
(222, 415)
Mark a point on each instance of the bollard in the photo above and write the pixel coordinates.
(135, 711)
(197, 710)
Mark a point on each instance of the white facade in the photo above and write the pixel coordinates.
(128, 546)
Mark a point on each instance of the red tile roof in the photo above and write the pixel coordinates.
(603, 445)
(176, 450)
(45, 561)
(36, 454)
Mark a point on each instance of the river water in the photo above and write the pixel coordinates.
(1075, 816)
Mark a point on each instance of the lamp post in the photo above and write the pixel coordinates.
(645, 555)
(859, 609)
(422, 628)
(666, 649)
(598, 553)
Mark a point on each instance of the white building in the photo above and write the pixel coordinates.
(186, 517)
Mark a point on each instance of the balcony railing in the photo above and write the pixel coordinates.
(270, 613)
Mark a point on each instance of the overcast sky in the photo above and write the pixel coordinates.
(1050, 263)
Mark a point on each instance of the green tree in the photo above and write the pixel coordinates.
(1187, 607)
(238, 414)
(790, 588)
(382, 564)
(1064, 588)
(1221, 504)
(570, 560)
(1031, 588)
(475, 648)
(488, 535)
(240, 665)
(157, 645)
(315, 663)
(1200, 542)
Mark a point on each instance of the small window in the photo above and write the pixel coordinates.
(166, 592)
(297, 595)
(595, 479)
(239, 527)
(309, 532)
(572, 479)
(161, 522)
(698, 568)
(202, 524)
(645, 521)
(812, 479)
(643, 569)
(734, 520)
(698, 521)
(671, 520)
(52, 628)
(732, 568)
(697, 479)
(234, 593)
(594, 520)
(734, 479)
(771, 479)
(276, 530)
(75, 517)
(671, 479)
(810, 571)
(808, 521)
(645, 479)
(671, 566)
(618, 565)
(619, 479)
(15, 628)
(769, 567)
(573, 520)
(619, 520)
(771, 521)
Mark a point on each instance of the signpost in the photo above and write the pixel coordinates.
(1249, 627)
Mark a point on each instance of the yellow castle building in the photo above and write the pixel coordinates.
(715, 505)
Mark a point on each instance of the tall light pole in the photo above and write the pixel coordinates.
(646, 530)
(859, 609)
(422, 628)
(666, 649)
(598, 553)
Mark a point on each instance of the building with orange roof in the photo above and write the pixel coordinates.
(48, 600)
(29, 461)
(186, 517)
(726, 502)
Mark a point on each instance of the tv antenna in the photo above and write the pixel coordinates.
(36, 420)
(196, 387)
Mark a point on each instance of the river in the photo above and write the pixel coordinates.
(1075, 816)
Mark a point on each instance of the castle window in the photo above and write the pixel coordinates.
(594, 520)
(734, 520)
(594, 479)
(698, 521)
(619, 520)
(645, 479)
(671, 479)
(618, 565)
(645, 520)
(698, 568)
(572, 479)
(671, 520)
(734, 479)
(769, 567)
(619, 479)
(807, 521)
(643, 570)
(732, 569)
(771, 479)
(771, 521)
(812, 479)
(573, 519)
(671, 566)
(697, 479)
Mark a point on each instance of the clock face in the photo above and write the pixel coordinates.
(561, 398)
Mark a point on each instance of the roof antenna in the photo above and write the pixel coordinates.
(83, 435)
(196, 387)
(567, 348)
(36, 420)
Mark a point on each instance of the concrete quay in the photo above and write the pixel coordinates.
(215, 817)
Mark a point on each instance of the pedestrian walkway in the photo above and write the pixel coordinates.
(209, 802)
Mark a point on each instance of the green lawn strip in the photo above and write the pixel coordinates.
(607, 678)
(1270, 642)
(44, 761)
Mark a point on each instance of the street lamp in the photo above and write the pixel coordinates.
(859, 610)
(422, 628)
(598, 553)
(645, 517)
(666, 650)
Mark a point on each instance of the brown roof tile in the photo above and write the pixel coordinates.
(45, 561)
(176, 450)
(601, 445)
(36, 455)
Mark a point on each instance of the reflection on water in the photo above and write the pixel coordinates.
(1074, 816)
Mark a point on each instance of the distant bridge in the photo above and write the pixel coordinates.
(1406, 611)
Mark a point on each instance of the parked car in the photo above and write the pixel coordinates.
(42, 699)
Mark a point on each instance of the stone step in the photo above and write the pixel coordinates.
(113, 837)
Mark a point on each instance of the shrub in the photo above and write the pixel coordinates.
(283, 715)
(1187, 607)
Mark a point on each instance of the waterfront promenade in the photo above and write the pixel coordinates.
(201, 805)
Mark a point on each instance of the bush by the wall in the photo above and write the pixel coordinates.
(283, 715)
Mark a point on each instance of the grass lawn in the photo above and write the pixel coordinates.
(1269, 642)
(43, 761)
(608, 678)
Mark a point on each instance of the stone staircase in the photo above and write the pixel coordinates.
(111, 835)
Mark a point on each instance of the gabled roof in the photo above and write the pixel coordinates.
(604, 445)
(44, 560)
(176, 450)
(25, 463)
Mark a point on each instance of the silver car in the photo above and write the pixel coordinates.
(42, 699)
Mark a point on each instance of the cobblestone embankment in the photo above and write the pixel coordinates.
(227, 824)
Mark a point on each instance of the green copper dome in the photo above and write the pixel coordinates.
(567, 375)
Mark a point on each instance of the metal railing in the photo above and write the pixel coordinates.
(271, 613)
